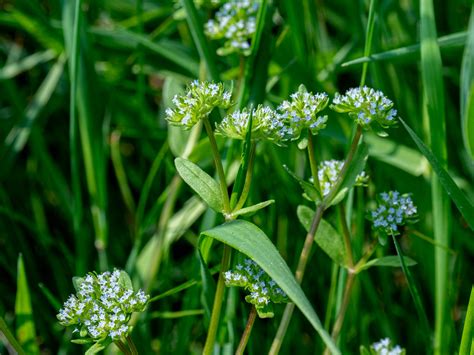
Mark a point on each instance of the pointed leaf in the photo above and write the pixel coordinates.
(328, 239)
(459, 198)
(307, 187)
(390, 261)
(25, 326)
(252, 209)
(467, 339)
(203, 184)
(251, 241)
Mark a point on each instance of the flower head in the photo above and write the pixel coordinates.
(198, 102)
(328, 173)
(263, 291)
(366, 106)
(265, 124)
(302, 110)
(102, 305)
(393, 210)
(235, 22)
(385, 347)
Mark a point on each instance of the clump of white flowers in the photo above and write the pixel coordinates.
(263, 290)
(393, 210)
(301, 112)
(366, 105)
(102, 306)
(385, 347)
(265, 124)
(329, 171)
(198, 102)
(235, 22)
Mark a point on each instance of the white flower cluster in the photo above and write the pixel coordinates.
(301, 112)
(265, 124)
(235, 22)
(198, 102)
(102, 305)
(393, 210)
(385, 347)
(366, 105)
(263, 290)
(328, 172)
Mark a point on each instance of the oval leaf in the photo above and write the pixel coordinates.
(390, 261)
(251, 241)
(204, 185)
(328, 239)
(252, 209)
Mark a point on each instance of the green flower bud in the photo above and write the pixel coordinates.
(198, 102)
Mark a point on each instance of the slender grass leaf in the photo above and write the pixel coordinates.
(445, 42)
(467, 89)
(328, 239)
(252, 241)
(53, 301)
(459, 198)
(206, 51)
(467, 338)
(201, 182)
(10, 337)
(388, 261)
(412, 287)
(178, 314)
(252, 209)
(25, 324)
(13, 69)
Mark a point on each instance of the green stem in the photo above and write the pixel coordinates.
(248, 179)
(312, 162)
(336, 329)
(217, 306)
(413, 289)
(218, 162)
(123, 348)
(131, 345)
(248, 329)
(346, 236)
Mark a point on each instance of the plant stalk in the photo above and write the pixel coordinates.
(312, 162)
(248, 329)
(131, 345)
(217, 306)
(248, 179)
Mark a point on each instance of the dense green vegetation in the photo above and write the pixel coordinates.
(89, 180)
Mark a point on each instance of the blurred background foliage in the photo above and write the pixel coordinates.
(96, 188)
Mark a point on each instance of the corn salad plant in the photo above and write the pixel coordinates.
(237, 176)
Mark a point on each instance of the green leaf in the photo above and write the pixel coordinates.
(252, 209)
(390, 261)
(356, 167)
(98, 347)
(25, 325)
(459, 198)
(328, 239)
(467, 89)
(10, 338)
(204, 185)
(467, 339)
(251, 241)
(311, 192)
(125, 281)
(82, 341)
(445, 42)
(76, 282)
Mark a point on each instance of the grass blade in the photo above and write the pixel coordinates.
(434, 108)
(467, 339)
(10, 338)
(457, 196)
(25, 325)
(206, 52)
(13, 69)
(467, 90)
